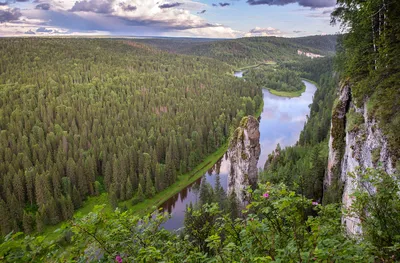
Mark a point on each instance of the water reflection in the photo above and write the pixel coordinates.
(238, 74)
(281, 122)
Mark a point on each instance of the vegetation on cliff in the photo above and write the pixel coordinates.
(370, 59)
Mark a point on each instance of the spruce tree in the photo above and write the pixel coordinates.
(140, 195)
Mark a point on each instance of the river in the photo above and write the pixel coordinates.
(282, 120)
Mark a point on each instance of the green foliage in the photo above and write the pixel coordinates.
(275, 79)
(302, 167)
(377, 205)
(279, 227)
(82, 115)
(369, 59)
(354, 120)
(247, 51)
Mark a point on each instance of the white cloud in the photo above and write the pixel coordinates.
(259, 31)
(124, 17)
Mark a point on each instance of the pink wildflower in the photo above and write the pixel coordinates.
(314, 203)
(118, 259)
(266, 195)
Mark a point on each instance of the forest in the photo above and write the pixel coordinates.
(248, 51)
(66, 134)
(79, 117)
(275, 78)
(302, 167)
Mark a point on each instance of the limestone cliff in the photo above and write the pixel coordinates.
(243, 153)
(356, 142)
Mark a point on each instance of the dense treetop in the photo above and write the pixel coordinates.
(82, 116)
(275, 78)
(248, 51)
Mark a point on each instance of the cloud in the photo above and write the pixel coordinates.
(297, 31)
(127, 7)
(30, 32)
(3, 3)
(259, 31)
(10, 14)
(117, 17)
(95, 6)
(305, 3)
(221, 4)
(170, 5)
(43, 30)
(44, 6)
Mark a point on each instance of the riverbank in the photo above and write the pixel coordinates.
(289, 94)
(268, 63)
(150, 204)
(294, 93)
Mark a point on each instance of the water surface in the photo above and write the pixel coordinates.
(282, 120)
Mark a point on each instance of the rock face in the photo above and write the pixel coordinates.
(243, 153)
(356, 142)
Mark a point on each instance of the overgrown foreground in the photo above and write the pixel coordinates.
(278, 226)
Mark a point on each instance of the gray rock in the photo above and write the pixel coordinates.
(243, 153)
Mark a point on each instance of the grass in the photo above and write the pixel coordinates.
(149, 205)
(288, 94)
(293, 94)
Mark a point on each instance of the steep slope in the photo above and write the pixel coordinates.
(366, 117)
(356, 144)
(243, 153)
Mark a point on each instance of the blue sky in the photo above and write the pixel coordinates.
(189, 18)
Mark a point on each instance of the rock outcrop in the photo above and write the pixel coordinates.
(356, 143)
(243, 153)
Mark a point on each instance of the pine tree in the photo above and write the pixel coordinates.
(220, 195)
(113, 198)
(76, 198)
(40, 222)
(159, 178)
(129, 189)
(140, 195)
(150, 191)
(5, 220)
(28, 223)
(108, 176)
(170, 170)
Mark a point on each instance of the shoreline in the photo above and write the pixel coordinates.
(151, 204)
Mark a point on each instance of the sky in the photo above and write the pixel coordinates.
(173, 18)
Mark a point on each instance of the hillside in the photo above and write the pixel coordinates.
(82, 117)
(248, 51)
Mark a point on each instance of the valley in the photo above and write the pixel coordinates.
(265, 145)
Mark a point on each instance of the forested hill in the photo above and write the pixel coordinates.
(248, 51)
(79, 117)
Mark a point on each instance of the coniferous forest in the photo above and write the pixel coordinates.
(80, 117)
(126, 118)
